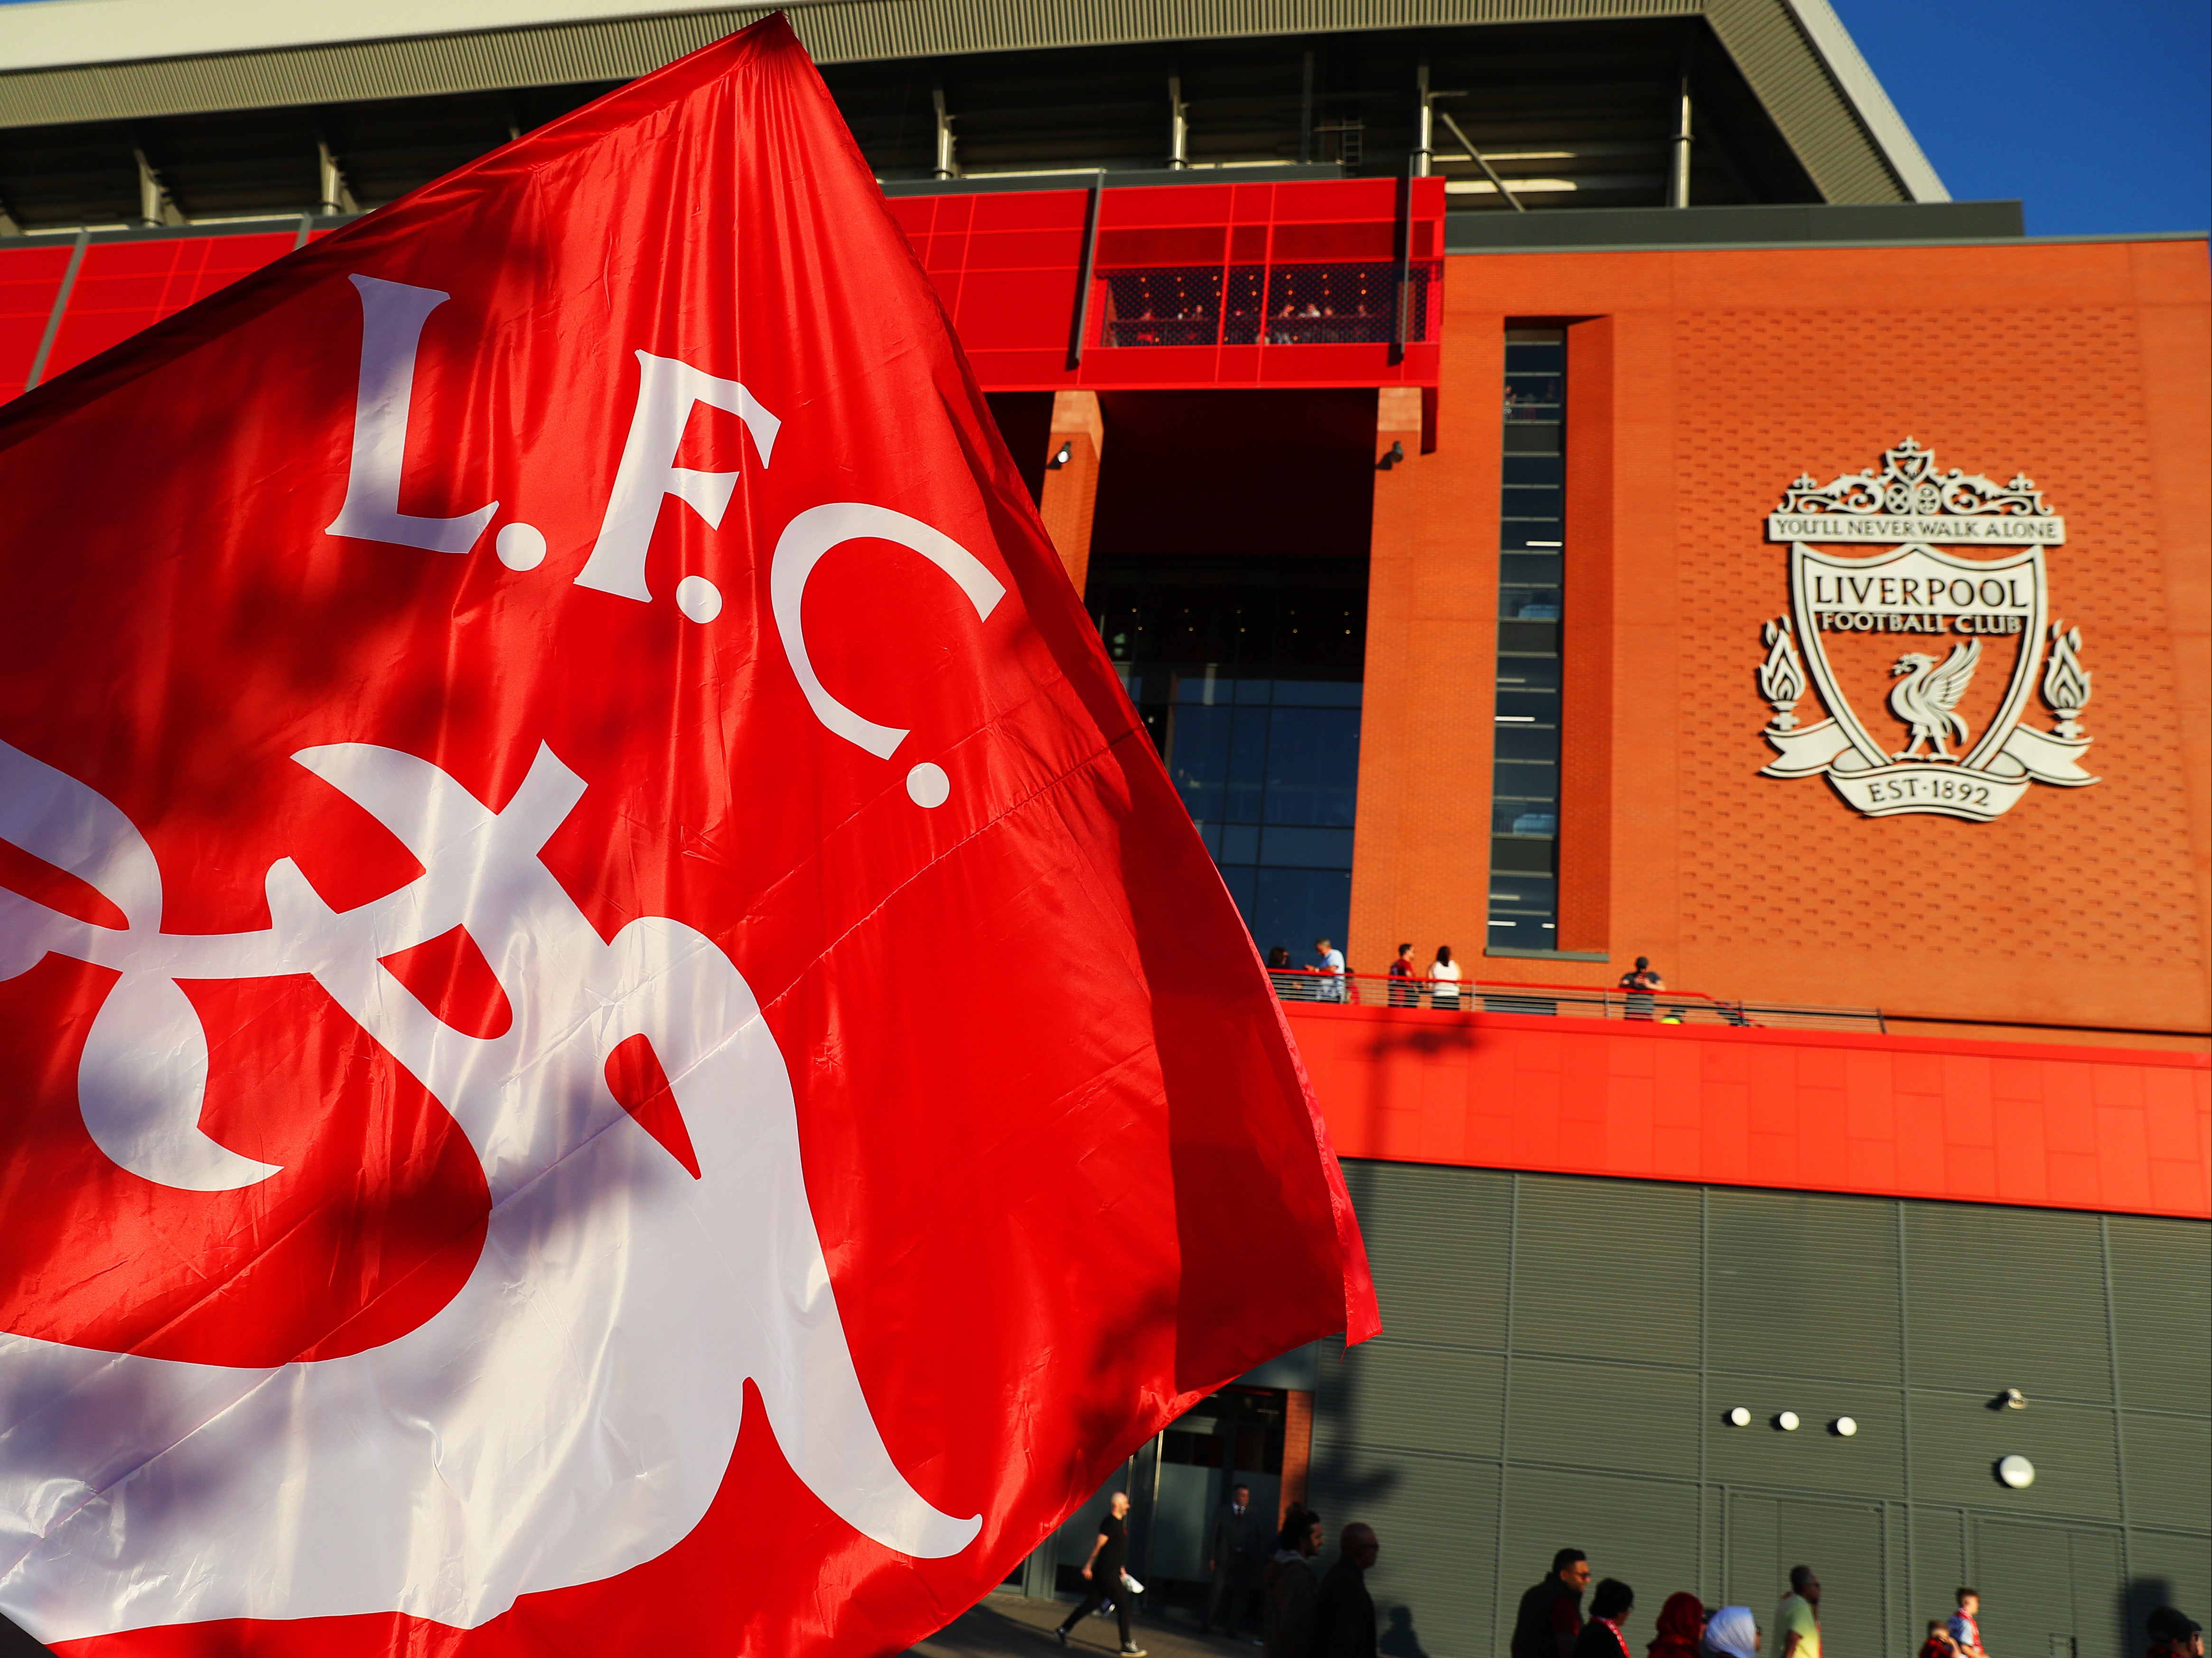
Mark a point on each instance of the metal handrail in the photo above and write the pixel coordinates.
(1671, 1007)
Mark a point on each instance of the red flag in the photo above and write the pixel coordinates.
(613, 1039)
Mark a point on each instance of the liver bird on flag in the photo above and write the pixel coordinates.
(496, 1160)
(1927, 699)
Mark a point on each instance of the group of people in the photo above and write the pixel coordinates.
(1550, 1622)
(1304, 1612)
(1308, 1613)
(1325, 981)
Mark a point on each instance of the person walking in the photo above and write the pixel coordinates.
(1964, 1627)
(1640, 981)
(1611, 1602)
(1344, 1611)
(1550, 1615)
(1443, 978)
(1797, 1620)
(1102, 1574)
(1404, 991)
(1236, 1549)
(1292, 1587)
(1330, 966)
(1681, 1627)
(1732, 1632)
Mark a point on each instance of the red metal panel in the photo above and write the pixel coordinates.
(123, 287)
(2127, 1130)
(1057, 250)
(29, 278)
(1167, 205)
(1033, 209)
(1013, 310)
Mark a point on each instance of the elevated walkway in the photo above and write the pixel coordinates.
(2123, 1130)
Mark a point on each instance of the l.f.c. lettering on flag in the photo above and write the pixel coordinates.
(611, 1037)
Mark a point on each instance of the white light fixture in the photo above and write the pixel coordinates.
(1787, 1422)
(1739, 1417)
(1844, 1427)
(2013, 1399)
(2016, 1471)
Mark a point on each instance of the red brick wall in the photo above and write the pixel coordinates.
(2085, 365)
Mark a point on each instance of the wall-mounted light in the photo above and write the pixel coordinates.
(1739, 1417)
(1060, 456)
(1397, 454)
(1787, 1421)
(1843, 1427)
(2016, 1471)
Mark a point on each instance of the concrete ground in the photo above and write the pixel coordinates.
(1009, 1626)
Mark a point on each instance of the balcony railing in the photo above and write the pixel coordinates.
(1673, 1007)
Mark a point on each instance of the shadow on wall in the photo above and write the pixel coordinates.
(2141, 1597)
(1400, 1640)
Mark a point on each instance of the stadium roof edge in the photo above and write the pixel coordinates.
(63, 61)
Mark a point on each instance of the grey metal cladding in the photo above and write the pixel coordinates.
(2161, 1285)
(1387, 1396)
(1800, 1285)
(1436, 1242)
(2026, 1574)
(1957, 1440)
(1785, 68)
(2171, 1569)
(1801, 92)
(1842, 1541)
(1644, 1532)
(1607, 1270)
(1869, 1463)
(1438, 1523)
(2169, 1467)
(1634, 1419)
(1936, 1553)
(2006, 1298)
(2043, 1586)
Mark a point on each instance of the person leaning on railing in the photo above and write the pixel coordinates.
(1443, 980)
(1405, 984)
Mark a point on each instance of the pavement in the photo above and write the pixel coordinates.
(1010, 1627)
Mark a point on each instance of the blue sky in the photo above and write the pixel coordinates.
(2098, 116)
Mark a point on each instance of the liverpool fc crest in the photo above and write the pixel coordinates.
(1960, 693)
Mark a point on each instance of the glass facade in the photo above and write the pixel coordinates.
(1524, 812)
(1247, 672)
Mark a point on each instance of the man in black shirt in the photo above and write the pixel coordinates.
(1343, 1613)
(1552, 1612)
(1102, 1574)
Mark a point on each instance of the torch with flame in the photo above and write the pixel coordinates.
(2065, 681)
(1782, 676)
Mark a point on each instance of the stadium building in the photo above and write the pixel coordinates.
(1504, 442)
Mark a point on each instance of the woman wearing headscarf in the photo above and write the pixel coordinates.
(1681, 1625)
(1730, 1633)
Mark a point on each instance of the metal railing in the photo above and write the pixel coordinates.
(1568, 1001)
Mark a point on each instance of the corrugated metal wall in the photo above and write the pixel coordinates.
(1560, 1356)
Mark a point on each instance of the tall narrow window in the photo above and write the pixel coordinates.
(1524, 813)
(1246, 668)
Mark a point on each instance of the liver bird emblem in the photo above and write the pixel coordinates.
(1927, 699)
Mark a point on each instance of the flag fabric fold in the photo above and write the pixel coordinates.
(614, 1040)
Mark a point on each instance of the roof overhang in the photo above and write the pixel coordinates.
(65, 61)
